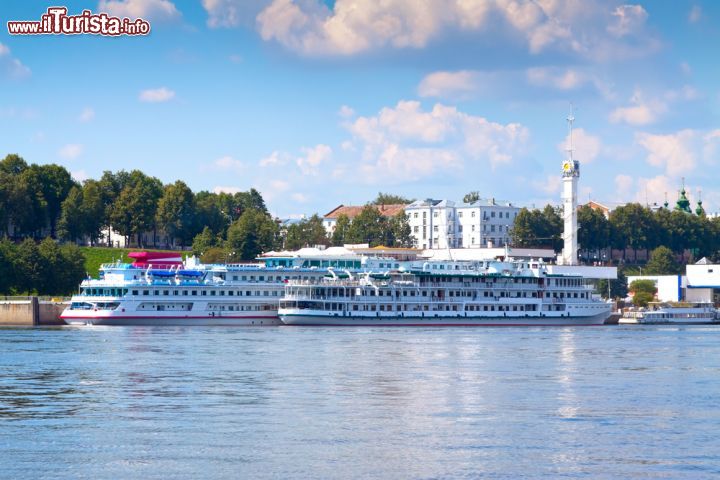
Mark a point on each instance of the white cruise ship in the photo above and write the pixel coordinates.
(157, 289)
(439, 293)
(682, 313)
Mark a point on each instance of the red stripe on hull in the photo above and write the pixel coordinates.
(125, 317)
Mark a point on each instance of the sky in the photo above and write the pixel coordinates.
(321, 103)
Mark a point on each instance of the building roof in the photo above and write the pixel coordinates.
(353, 211)
(430, 202)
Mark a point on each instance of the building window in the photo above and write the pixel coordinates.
(472, 228)
(415, 215)
(435, 214)
(492, 214)
(472, 214)
(435, 228)
(492, 228)
(459, 214)
(460, 228)
(416, 229)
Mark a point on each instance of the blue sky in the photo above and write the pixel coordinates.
(321, 103)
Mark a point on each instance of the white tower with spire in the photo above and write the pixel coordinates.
(570, 173)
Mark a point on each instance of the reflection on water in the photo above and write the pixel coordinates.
(340, 403)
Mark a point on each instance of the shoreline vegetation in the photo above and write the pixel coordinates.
(55, 229)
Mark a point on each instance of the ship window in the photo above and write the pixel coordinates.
(166, 292)
(222, 293)
(185, 293)
(235, 277)
(175, 292)
(231, 293)
(194, 292)
(248, 293)
(204, 293)
(135, 292)
(213, 293)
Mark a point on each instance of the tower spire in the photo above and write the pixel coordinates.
(570, 174)
(570, 120)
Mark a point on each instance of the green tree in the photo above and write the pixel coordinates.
(552, 226)
(204, 241)
(341, 232)
(633, 226)
(72, 219)
(94, 204)
(390, 199)
(176, 212)
(30, 267)
(210, 214)
(593, 229)
(134, 210)
(643, 292)
(662, 262)
(400, 230)
(367, 227)
(471, 197)
(55, 185)
(536, 228)
(7, 267)
(253, 233)
(618, 286)
(306, 232)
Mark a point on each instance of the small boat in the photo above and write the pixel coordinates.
(664, 313)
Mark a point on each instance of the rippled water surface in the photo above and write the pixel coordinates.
(605, 402)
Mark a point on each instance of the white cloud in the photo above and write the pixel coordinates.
(299, 197)
(156, 95)
(655, 190)
(449, 84)
(231, 190)
(231, 13)
(685, 68)
(86, 115)
(642, 111)
(628, 18)
(695, 14)
(405, 143)
(586, 147)
(348, 27)
(79, 175)
(550, 186)
(623, 186)
(275, 158)
(228, 163)
(346, 112)
(145, 9)
(314, 157)
(71, 151)
(10, 66)
(674, 152)
(279, 185)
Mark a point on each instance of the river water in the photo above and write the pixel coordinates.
(292, 402)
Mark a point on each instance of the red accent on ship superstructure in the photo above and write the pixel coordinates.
(155, 259)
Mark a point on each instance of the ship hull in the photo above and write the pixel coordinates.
(171, 321)
(442, 321)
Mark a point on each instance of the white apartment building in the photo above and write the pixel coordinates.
(442, 224)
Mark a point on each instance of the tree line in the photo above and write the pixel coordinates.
(631, 226)
(43, 269)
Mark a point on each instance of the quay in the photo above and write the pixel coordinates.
(30, 311)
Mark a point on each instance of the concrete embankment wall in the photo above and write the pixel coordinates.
(30, 311)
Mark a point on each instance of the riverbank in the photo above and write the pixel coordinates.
(31, 311)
